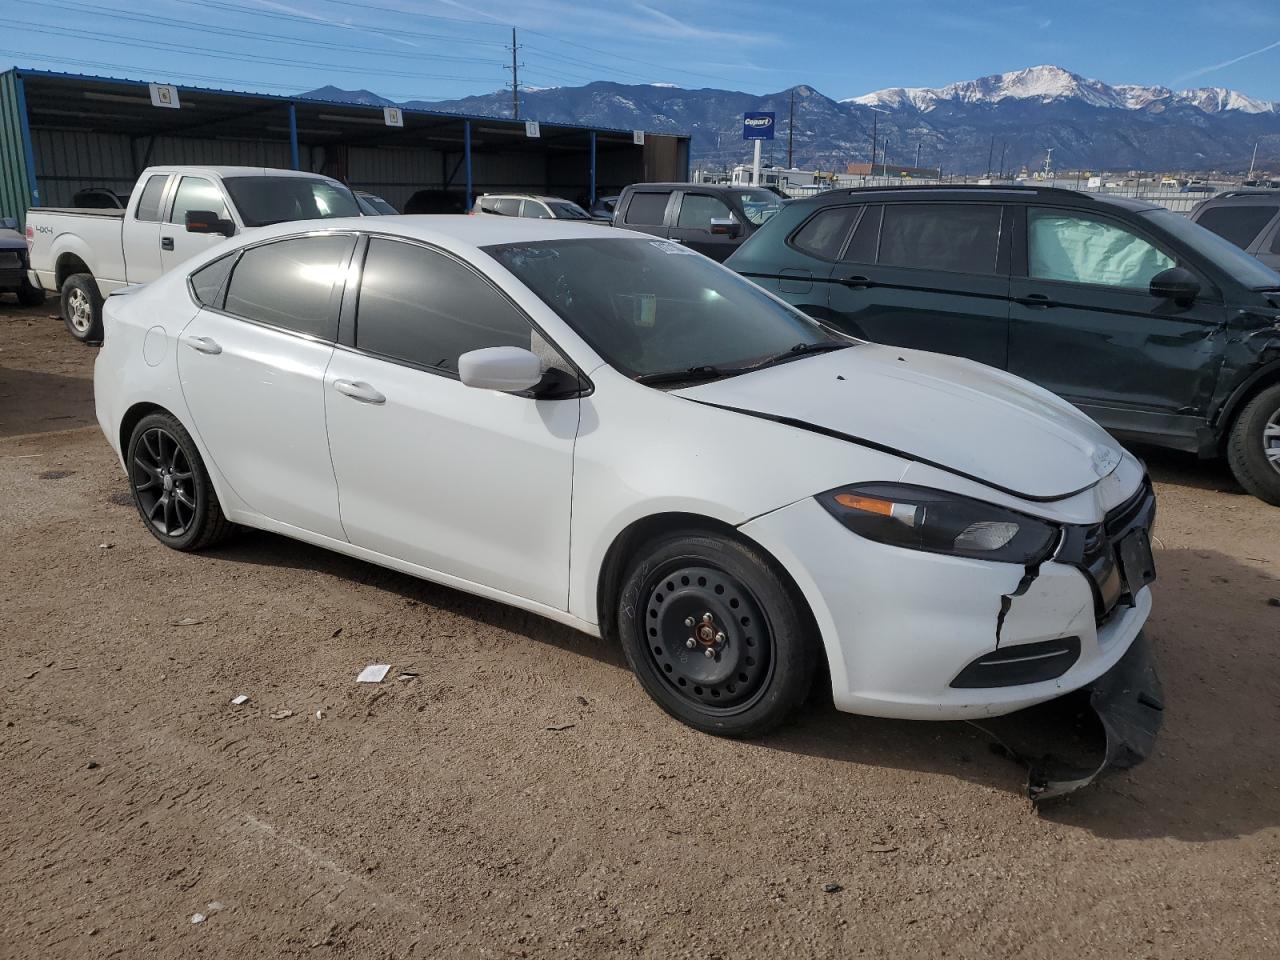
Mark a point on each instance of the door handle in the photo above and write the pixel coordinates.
(166, 243)
(359, 390)
(1037, 301)
(858, 283)
(203, 344)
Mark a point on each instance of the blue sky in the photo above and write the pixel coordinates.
(435, 49)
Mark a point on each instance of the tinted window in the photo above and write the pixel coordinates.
(535, 209)
(1080, 249)
(564, 210)
(149, 202)
(824, 235)
(647, 208)
(956, 237)
(1239, 224)
(427, 308)
(207, 282)
(760, 205)
(264, 200)
(1227, 257)
(507, 206)
(195, 193)
(697, 210)
(292, 284)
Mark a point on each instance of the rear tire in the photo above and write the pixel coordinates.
(29, 295)
(82, 308)
(716, 633)
(1253, 448)
(171, 487)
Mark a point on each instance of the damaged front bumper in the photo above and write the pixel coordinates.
(1111, 723)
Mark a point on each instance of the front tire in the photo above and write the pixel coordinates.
(1253, 448)
(29, 295)
(82, 308)
(716, 634)
(171, 487)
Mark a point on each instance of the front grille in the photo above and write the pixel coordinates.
(1094, 549)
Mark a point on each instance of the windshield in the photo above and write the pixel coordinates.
(565, 210)
(759, 205)
(265, 200)
(1223, 254)
(653, 307)
(375, 206)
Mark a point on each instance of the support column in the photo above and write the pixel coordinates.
(33, 189)
(591, 194)
(293, 136)
(466, 158)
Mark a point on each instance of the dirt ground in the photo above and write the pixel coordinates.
(521, 797)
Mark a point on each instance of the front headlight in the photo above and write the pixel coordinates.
(921, 518)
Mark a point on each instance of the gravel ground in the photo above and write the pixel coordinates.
(519, 796)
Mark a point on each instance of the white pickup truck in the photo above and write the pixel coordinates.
(173, 214)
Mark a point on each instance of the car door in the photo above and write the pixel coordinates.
(474, 484)
(140, 234)
(1085, 325)
(646, 211)
(926, 275)
(192, 193)
(692, 225)
(252, 371)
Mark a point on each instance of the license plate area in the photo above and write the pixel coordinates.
(1137, 561)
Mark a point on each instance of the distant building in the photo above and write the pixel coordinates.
(890, 170)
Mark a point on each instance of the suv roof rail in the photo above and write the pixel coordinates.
(1255, 192)
(974, 187)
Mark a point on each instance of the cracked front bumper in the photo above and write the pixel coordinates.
(900, 625)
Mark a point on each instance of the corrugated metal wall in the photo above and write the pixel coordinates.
(15, 189)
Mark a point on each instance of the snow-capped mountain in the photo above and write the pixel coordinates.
(963, 127)
(1049, 83)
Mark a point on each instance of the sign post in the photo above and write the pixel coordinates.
(757, 126)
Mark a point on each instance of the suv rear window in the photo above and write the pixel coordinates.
(647, 209)
(1239, 223)
(824, 235)
(956, 237)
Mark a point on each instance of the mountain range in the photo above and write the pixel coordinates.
(963, 127)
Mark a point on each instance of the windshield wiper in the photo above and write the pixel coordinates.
(689, 375)
(800, 350)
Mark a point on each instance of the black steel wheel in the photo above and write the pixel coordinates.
(170, 485)
(716, 634)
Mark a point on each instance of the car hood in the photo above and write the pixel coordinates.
(961, 416)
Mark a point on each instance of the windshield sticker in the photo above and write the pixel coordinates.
(666, 246)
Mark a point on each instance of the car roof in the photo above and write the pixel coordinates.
(977, 192)
(522, 196)
(699, 186)
(1233, 197)
(236, 171)
(454, 231)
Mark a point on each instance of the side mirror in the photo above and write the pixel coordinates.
(507, 369)
(1175, 284)
(725, 227)
(206, 221)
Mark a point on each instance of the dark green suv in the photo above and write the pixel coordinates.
(1160, 330)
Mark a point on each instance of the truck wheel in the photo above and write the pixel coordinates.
(1253, 449)
(30, 295)
(82, 308)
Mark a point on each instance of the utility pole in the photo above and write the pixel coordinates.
(515, 78)
(918, 154)
(884, 157)
(1254, 160)
(791, 127)
(1003, 147)
(875, 138)
(990, 155)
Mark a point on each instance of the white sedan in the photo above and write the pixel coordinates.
(616, 433)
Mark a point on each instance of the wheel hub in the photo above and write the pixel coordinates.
(1271, 441)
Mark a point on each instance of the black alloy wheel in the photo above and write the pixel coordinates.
(171, 487)
(716, 633)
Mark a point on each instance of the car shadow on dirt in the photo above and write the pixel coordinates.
(32, 402)
(1216, 770)
(1188, 470)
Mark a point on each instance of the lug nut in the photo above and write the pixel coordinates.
(689, 621)
(720, 637)
(710, 653)
(691, 643)
(707, 618)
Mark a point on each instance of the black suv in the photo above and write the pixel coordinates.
(1248, 218)
(712, 219)
(1157, 328)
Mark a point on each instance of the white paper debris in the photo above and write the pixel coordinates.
(282, 715)
(241, 698)
(373, 673)
(197, 918)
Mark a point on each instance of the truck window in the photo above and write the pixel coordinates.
(697, 210)
(197, 193)
(266, 200)
(647, 209)
(149, 203)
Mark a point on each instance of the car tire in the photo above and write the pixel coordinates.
(29, 295)
(82, 307)
(1253, 447)
(727, 597)
(171, 487)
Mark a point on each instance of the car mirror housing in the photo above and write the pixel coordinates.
(725, 227)
(206, 221)
(1175, 284)
(506, 369)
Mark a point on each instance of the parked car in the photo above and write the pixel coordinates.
(1160, 330)
(603, 208)
(528, 205)
(14, 277)
(437, 201)
(173, 213)
(1248, 218)
(99, 198)
(372, 205)
(709, 218)
(615, 433)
